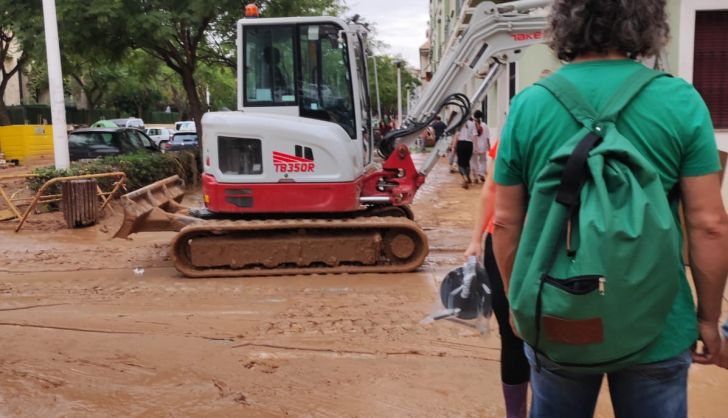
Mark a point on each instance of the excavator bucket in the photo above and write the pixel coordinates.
(155, 207)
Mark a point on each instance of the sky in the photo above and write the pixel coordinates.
(400, 23)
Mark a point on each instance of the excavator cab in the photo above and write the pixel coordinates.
(301, 140)
(305, 71)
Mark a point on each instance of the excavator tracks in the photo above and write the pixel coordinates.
(299, 246)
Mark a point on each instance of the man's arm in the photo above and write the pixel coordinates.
(707, 233)
(510, 212)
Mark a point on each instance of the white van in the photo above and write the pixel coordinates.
(185, 125)
(129, 123)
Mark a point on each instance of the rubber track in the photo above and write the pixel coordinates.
(205, 228)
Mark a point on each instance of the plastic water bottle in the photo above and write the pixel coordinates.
(469, 272)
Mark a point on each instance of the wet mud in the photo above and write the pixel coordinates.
(92, 326)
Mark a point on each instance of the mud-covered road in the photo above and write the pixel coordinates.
(83, 335)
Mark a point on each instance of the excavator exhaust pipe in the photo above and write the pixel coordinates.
(155, 207)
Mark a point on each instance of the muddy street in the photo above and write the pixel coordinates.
(84, 335)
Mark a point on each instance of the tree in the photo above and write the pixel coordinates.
(21, 32)
(387, 71)
(137, 88)
(282, 8)
(221, 48)
(180, 34)
(220, 81)
(91, 78)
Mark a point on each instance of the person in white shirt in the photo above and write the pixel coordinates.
(463, 146)
(481, 146)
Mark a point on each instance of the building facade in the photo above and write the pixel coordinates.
(697, 52)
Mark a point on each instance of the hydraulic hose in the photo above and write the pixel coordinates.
(459, 100)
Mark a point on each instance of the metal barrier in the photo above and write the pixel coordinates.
(13, 202)
(40, 196)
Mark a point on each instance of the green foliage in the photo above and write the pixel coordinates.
(283, 8)
(387, 72)
(221, 82)
(136, 89)
(21, 35)
(138, 55)
(141, 169)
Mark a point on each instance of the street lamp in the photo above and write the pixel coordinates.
(410, 86)
(399, 63)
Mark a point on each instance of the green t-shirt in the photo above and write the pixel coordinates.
(667, 122)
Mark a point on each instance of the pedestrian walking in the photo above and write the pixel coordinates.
(598, 154)
(514, 367)
(438, 127)
(463, 147)
(481, 146)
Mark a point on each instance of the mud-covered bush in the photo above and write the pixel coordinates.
(141, 169)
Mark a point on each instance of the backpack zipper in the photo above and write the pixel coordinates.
(579, 285)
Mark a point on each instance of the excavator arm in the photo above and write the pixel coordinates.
(497, 35)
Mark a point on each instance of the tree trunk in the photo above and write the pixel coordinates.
(4, 114)
(196, 111)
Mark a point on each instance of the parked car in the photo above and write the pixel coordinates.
(87, 143)
(185, 125)
(129, 123)
(159, 135)
(181, 141)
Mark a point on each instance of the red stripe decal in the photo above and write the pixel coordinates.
(289, 158)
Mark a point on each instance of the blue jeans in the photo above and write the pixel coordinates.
(641, 391)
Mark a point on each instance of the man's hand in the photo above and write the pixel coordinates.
(711, 338)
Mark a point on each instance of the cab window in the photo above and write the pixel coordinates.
(268, 66)
(326, 91)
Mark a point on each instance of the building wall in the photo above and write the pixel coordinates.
(679, 57)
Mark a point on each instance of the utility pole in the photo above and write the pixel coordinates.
(399, 93)
(55, 83)
(376, 88)
(407, 103)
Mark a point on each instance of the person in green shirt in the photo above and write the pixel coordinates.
(669, 124)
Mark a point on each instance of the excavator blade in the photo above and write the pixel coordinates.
(155, 207)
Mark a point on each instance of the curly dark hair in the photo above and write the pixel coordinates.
(633, 27)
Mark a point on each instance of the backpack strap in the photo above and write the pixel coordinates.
(573, 100)
(629, 89)
(567, 94)
(576, 172)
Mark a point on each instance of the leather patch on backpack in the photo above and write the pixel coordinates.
(575, 332)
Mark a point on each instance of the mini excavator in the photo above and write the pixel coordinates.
(291, 181)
